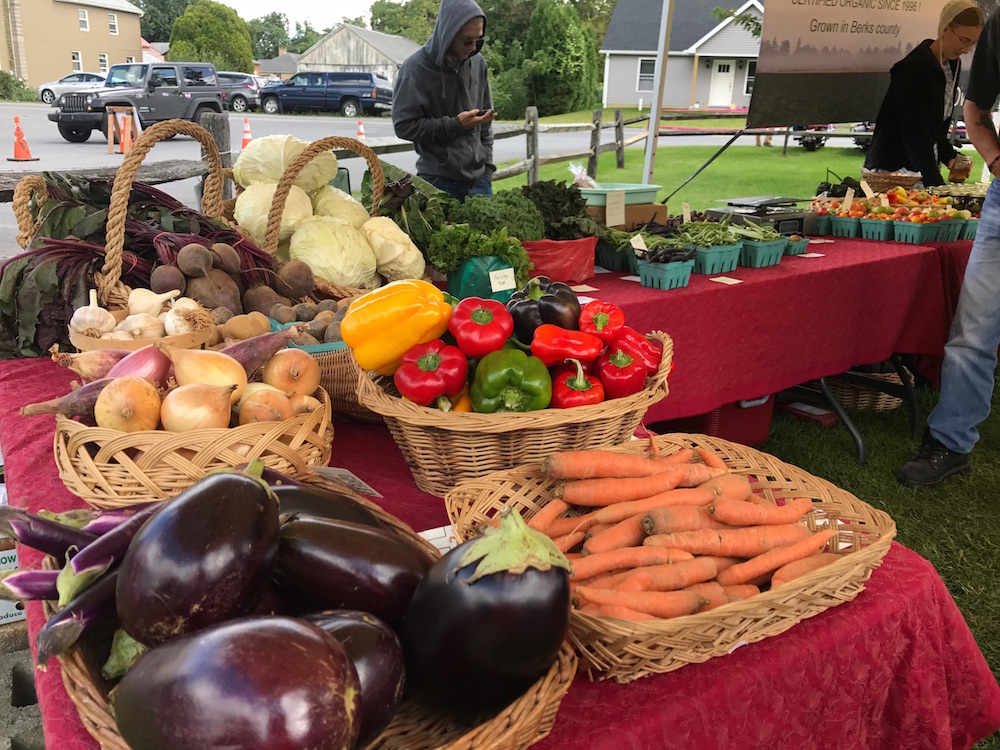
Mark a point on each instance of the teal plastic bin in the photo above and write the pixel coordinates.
(876, 229)
(845, 226)
(969, 230)
(796, 247)
(675, 275)
(756, 254)
(824, 225)
(913, 233)
(617, 260)
(950, 230)
(717, 259)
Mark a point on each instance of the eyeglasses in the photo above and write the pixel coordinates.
(963, 40)
(472, 42)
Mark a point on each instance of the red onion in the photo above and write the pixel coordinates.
(90, 365)
(77, 403)
(148, 363)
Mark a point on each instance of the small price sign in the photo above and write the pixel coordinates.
(848, 200)
(686, 212)
(501, 280)
(869, 193)
(614, 208)
(637, 242)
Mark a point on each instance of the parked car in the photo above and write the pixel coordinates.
(241, 90)
(156, 92)
(810, 139)
(353, 94)
(49, 92)
(863, 134)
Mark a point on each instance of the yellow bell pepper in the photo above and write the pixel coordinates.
(382, 325)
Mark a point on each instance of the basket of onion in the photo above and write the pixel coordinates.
(149, 423)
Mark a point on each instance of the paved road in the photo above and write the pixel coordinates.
(55, 153)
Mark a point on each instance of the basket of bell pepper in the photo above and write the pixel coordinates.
(474, 386)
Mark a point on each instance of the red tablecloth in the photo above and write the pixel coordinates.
(799, 320)
(895, 668)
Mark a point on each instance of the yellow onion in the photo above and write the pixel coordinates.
(128, 404)
(292, 370)
(251, 389)
(197, 406)
(304, 404)
(206, 367)
(266, 405)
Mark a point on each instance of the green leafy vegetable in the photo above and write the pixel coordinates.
(506, 209)
(453, 245)
(564, 210)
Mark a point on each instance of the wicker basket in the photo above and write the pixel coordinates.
(521, 724)
(882, 181)
(196, 340)
(446, 448)
(625, 651)
(858, 397)
(112, 469)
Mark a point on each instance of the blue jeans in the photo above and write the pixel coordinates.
(970, 359)
(457, 190)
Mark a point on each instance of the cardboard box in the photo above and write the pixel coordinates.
(636, 214)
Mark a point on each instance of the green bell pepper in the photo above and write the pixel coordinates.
(510, 380)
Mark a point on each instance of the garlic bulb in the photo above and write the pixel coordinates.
(178, 322)
(142, 326)
(144, 301)
(118, 336)
(185, 303)
(92, 320)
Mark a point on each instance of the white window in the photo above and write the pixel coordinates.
(84, 20)
(102, 62)
(751, 77)
(113, 23)
(130, 59)
(77, 62)
(646, 69)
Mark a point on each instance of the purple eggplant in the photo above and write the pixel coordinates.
(312, 501)
(205, 556)
(93, 521)
(487, 620)
(328, 564)
(46, 536)
(94, 606)
(377, 655)
(249, 684)
(28, 585)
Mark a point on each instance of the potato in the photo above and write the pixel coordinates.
(260, 299)
(241, 327)
(282, 313)
(261, 321)
(332, 334)
(221, 314)
(327, 304)
(305, 311)
(306, 339)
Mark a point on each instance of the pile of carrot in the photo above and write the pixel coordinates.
(661, 536)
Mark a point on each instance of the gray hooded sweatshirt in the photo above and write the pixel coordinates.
(429, 93)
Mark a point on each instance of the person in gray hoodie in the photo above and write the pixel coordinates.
(442, 102)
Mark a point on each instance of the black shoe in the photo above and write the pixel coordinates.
(932, 465)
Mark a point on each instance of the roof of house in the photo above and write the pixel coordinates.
(120, 5)
(286, 63)
(161, 47)
(396, 48)
(635, 24)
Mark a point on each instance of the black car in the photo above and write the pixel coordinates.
(241, 90)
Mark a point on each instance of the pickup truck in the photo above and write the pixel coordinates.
(157, 91)
(353, 94)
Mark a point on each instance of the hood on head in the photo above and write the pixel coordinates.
(452, 16)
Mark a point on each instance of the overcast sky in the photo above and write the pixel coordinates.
(321, 15)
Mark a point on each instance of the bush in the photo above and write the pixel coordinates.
(510, 95)
(13, 89)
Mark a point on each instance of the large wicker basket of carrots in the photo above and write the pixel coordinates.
(414, 727)
(443, 449)
(647, 604)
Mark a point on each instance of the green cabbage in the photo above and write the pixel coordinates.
(335, 251)
(266, 159)
(396, 256)
(254, 203)
(329, 201)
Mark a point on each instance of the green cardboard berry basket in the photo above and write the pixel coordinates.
(674, 275)
(950, 230)
(796, 247)
(914, 233)
(824, 225)
(760, 254)
(969, 230)
(877, 229)
(845, 226)
(617, 260)
(717, 259)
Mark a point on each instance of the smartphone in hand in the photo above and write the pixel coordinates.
(481, 112)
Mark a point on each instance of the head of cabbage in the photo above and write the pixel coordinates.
(266, 159)
(335, 251)
(330, 201)
(396, 256)
(254, 203)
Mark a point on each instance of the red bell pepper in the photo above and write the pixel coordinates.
(649, 352)
(480, 326)
(431, 371)
(553, 345)
(621, 370)
(602, 319)
(575, 388)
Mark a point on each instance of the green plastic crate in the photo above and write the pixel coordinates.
(717, 259)
(913, 233)
(617, 260)
(845, 226)
(950, 230)
(876, 229)
(969, 230)
(675, 275)
(797, 247)
(824, 225)
(756, 254)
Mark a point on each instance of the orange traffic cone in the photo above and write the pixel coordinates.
(246, 133)
(361, 130)
(21, 150)
(126, 143)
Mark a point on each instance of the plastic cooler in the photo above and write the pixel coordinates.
(716, 259)
(745, 422)
(914, 233)
(634, 193)
(796, 247)
(845, 226)
(950, 230)
(675, 275)
(876, 229)
(756, 254)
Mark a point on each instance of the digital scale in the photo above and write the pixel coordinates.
(781, 213)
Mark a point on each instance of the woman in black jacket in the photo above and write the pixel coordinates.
(911, 131)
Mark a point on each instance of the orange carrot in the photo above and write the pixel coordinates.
(597, 528)
(721, 563)
(662, 604)
(547, 514)
(605, 491)
(594, 464)
(630, 557)
(775, 558)
(568, 524)
(711, 458)
(712, 592)
(568, 541)
(738, 513)
(572, 555)
(603, 580)
(680, 518)
(739, 592)
(627, 533)
(792, 570)
(748, 542)
(622, 613)
(590, 609)
(671, 577)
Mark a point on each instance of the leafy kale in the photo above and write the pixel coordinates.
(453, 245)
(506, 209)
(414, 204)
(563, 208)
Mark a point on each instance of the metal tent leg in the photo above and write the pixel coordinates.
(839, 411)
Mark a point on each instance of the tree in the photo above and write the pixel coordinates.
(747, 20)
(413, 19)
(268, 34)
(158, 17)
(305, 37)
(562, 63)
(211, 32)
(356, 21)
